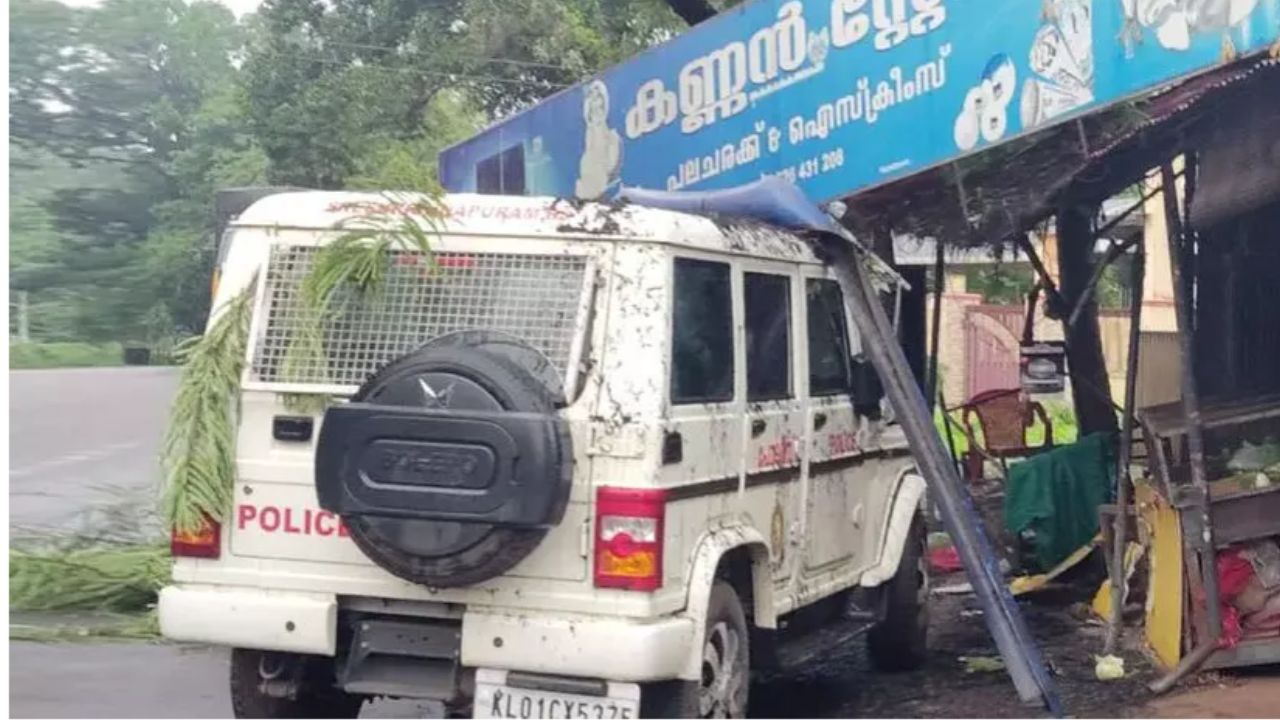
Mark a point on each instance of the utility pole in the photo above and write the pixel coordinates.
(24, 317)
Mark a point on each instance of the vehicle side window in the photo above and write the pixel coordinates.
(828, 339)
(767, 304)
(702, 332)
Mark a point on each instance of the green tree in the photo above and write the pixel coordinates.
(410, 164)
(126, 92)
(333, 87)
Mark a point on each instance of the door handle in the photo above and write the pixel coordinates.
(819, 421)
(757, 427)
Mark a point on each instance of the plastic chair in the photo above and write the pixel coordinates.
(1005, 416)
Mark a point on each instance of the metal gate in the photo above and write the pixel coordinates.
(992, 335)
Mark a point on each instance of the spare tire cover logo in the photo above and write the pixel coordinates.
(436, 399)
(400, 462)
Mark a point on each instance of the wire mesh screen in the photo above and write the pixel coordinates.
(533, 297)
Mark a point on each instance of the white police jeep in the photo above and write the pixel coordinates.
(586, 461)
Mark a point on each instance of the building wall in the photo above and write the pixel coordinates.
(1157, 290)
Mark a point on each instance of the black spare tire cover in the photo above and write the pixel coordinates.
(433, 540)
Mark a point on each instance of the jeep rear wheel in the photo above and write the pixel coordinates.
(283, 685)
(723, 689)
(899, 642)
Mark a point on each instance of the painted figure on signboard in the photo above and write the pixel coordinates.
(1174, 22)
(985, 112)
(601, 162)
(1061, 63)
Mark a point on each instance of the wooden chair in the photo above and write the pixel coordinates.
(1005, 416)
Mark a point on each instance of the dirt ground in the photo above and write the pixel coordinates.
(1236, 695)
(843, 685)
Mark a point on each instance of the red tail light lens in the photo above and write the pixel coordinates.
(203, 542)
(628, 541)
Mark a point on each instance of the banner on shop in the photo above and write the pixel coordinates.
(840, 95)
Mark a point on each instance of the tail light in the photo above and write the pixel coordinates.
(628, 542)
(202, 542)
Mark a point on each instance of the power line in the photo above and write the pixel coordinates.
(478, 58)
(430, 73)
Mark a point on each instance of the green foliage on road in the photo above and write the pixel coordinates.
(117, 578)
(24, 356)
(86, 591)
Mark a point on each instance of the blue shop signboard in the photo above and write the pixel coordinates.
(841, 95)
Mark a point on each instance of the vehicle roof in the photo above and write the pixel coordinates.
(521, 216)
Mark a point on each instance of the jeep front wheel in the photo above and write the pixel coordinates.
(899, 641)
(722, 690)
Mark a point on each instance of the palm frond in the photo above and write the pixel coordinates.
(351, 270)
(116, 578)
(198, 452)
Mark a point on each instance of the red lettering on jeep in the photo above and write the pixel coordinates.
(289, 527)
(273, 523)
(842, 443)
(324, 529)
(245, 514)
(272, 519)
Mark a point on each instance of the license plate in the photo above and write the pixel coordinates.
(499, 701)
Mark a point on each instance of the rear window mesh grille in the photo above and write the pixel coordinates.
(532, 297)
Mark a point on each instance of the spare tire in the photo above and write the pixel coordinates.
(449, 465)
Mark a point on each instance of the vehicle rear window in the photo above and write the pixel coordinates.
(702, 332)
(767, 304)
(828, 339)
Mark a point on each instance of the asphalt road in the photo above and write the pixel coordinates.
(82, 448)
(135, 680)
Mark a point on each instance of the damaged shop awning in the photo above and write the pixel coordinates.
(1007, 190)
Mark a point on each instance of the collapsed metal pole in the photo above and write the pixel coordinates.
(1021, 655)
(1054, 302)
(1113, 253)
(1120, 537)
(1197, 499)
(935, 332)
(1142, 200)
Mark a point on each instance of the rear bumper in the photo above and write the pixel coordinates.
(247, 618)
(588, 646)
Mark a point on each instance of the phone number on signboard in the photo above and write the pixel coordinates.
(814, 166)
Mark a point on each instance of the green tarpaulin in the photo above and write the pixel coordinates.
(1056, 495)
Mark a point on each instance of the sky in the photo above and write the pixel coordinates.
(239, 7)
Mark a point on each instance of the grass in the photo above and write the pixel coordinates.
(33, 355)
(1060, 414)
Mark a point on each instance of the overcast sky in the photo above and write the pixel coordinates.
(239, 7)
